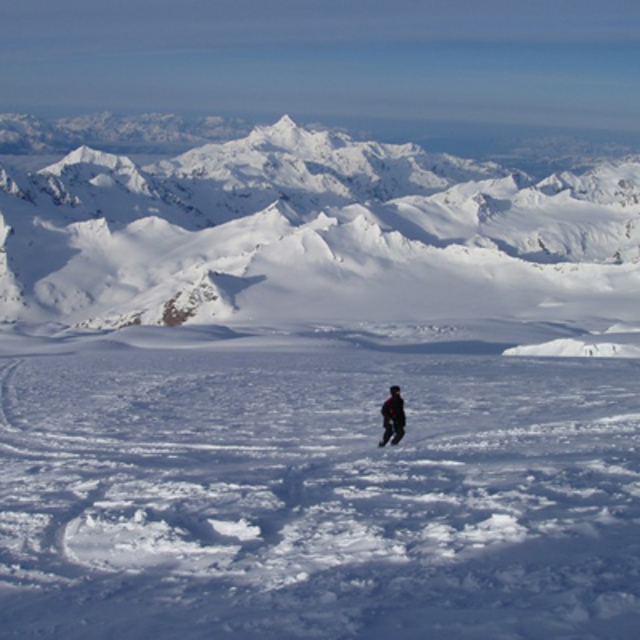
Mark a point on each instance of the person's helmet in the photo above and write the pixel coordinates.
(395, 389)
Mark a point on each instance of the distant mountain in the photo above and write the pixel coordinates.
(545, 154)
(310, 170)
(293, 225)
(21, 134)
(24, 134)
(589, 217)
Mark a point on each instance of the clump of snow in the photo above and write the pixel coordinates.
(113, 542)
(240, 529)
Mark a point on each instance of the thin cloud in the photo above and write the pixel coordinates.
(142, 24)
(476, 59)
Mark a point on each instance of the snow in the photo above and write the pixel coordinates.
(616, 341)
(149, 132)
(571, 348)
(201, 483)
(301, 226)
(222, 477)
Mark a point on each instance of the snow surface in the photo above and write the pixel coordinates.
(198, 483)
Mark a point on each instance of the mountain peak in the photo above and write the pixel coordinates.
(87, 155)
(285, 132)
(286, 122)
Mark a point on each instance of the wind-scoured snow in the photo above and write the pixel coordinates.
(228, 486)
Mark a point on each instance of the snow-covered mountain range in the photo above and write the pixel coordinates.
(292, 225)
(25, 133)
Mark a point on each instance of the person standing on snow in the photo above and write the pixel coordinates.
(394, 418)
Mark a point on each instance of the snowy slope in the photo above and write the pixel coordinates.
(595, 220)
(290, 226)
(94, 184)
(233, 489)
(315, 169)
(11, 300)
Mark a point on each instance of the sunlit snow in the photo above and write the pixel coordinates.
(193, 356)
(234, 487)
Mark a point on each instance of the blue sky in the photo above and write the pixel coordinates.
(406, 63)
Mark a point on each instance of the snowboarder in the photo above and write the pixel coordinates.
(394, 418)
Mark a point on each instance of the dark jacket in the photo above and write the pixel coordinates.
(393, 409)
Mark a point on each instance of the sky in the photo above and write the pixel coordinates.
(404, 64)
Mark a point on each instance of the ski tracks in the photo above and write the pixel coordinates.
(13, 441)
(7, 394)
(39, 495)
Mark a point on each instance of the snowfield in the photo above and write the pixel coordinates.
(233, 487)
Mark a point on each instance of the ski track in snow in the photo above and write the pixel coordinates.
(203, 495)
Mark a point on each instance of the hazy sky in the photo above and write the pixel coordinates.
(567, 63)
